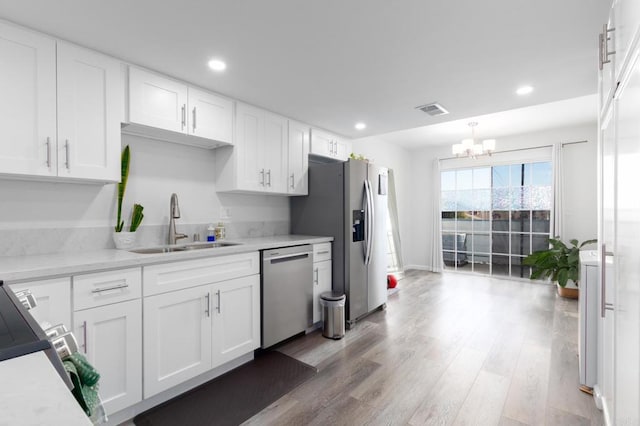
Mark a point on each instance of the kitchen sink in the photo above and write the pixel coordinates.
(186, 247)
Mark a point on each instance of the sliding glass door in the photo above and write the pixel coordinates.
(494, 216)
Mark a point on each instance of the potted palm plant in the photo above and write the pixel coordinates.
(560, 263)
(126, 239)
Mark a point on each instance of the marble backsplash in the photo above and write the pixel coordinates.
(20, 242)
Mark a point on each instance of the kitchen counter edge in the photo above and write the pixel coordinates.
(14, 269)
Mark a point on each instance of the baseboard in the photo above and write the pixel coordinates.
(418, 267)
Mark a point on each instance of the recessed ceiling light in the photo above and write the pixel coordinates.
(360, 126)
(524, 90)
(217, 65)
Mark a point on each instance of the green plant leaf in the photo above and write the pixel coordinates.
(563, 277)
(122, 186)
(136, 217)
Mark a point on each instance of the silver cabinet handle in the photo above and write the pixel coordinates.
(48, 152)
(323, 252)
(604, 46)
(333, 147)
(115, 287)
(316, 280)
(269, 175)
(66, 153)
(219, 302)
(208, 310)
(84, 337)
(184, 115)
(262, 177)
(194, 119)
(293, 185)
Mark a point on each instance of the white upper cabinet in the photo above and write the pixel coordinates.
(90, 102)
(298, 159)
(627, 22)
(67, 127)
(156, 101)
(170, 110)
(258, 160)
(27, 103)
(329, 146)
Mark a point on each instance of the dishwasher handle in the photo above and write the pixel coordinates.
(289, 257)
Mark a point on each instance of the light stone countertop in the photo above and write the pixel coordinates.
(21, 268)
(32, 393)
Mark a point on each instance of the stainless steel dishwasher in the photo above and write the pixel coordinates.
(287, 293)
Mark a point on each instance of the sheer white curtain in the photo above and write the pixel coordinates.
(437, 264)
(557, 190)
(395, 221)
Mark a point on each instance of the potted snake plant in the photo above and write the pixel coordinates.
(126, 239)
(560, 263)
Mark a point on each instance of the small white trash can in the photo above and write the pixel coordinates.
(333, 314)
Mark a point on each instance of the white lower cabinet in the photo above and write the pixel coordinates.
(190, 331)
(53, 298)
(110, 337)
(177, 337)
(236, 318)
(321, 283)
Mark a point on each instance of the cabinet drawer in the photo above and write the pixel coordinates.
(103, 288)
(321, 252)
(179, 275)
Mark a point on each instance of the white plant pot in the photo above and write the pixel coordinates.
(124, 240)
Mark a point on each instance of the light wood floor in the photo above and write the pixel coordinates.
(449, 349)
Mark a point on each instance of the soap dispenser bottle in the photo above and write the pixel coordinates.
(211, 233)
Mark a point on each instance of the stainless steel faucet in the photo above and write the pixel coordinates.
(174, 213)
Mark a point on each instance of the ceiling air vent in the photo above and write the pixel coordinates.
(433, 109)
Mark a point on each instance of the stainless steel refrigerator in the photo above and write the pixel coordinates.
(348, 201)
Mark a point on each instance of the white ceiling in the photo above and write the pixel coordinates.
(569, 112)
(334, 62)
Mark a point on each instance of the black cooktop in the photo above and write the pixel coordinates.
(20, 334)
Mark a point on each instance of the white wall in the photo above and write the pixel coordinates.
(398, 159)
(157, 170)
(579, 174)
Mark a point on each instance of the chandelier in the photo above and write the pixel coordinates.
(469, 147)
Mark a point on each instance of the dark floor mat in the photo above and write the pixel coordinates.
(233, 397)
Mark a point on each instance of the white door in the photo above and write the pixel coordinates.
(607, 289)
(53, 298)
(211, 116)
(111, 338)
(321, 143)
(157, 101)
(298, 182)
(236, 318)
(321, 284)
(249, 145)
(90, 102)
(276, 144)
(627, 251)
(27, 102)
(177, 337)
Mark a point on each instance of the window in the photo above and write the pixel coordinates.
(494, 216)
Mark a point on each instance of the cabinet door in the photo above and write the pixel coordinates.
(321, 284)
(298, 182)
(177, 338)
(211, 116)
(342, 149)
(321, 143)
(53, 298)
(627, 251)
(111, 338)
(627, 22)
(90, 102)
(157, 101)
(607, 76)
(276, 144)
(250, 148)
(236, 318)
(27, 102)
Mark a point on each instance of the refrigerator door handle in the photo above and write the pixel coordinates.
(365, 208)
(369, 218)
